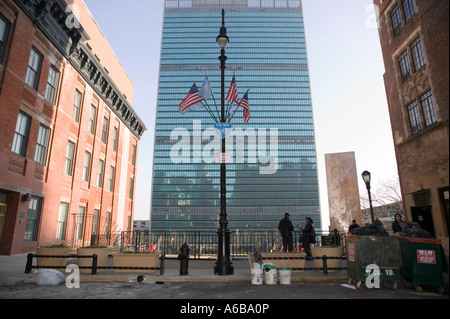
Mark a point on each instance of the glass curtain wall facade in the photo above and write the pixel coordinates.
(267, 54)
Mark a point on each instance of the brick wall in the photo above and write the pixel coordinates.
(22, 175)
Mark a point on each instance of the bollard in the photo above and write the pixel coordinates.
(337, 238)
(183, 257)
(325, 266)
(161, 265)
(29, 264)
(94, 264)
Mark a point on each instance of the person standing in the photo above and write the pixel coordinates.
(285, 227)
(353, 226)
(308, 237)
(397, 224)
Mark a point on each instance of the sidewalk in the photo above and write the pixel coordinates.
(12, 270)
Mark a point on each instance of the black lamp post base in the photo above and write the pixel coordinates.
(224, 269)
(223, 265)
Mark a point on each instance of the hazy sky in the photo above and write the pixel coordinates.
(346, 69)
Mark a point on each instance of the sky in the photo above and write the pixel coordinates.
(346, 73)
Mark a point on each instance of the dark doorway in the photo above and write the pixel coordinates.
(423, 216)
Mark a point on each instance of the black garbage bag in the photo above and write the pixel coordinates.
(375, 229)
(413, 230)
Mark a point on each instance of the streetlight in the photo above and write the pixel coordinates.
(223, 262)
(366, 177)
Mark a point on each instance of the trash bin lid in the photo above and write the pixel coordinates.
(284, 268)
(270, 267)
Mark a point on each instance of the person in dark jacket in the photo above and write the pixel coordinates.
(285, 227)
(308, 237)
(353, 226)
(397, 224)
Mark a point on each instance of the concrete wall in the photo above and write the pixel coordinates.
(343, 191)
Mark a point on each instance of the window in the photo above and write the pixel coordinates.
(429, 111)
(92, 117)
(4, 30)
(62, 221)
(133, 155)
(396, 19)
(107, 223)
(19, 145)
(100, 173)
(32, 226)
(417, 53)
(69, 158)
(130, 192)
(414, 117)
(42, 145)
(86, 166)
(408, 9)
(105, 129)
(76, 105)
(116, 138)
(129, 223)
(80, 222)
(405, 67)
(111, 178)
(34, 69)
(52, 85)
(95, 222)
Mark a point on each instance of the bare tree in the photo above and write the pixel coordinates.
(386, 197)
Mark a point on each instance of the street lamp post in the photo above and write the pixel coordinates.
(366, 177)
(223, 263)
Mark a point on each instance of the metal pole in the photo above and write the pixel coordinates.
(223, 262)
(370, 202)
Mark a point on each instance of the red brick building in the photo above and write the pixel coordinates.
(414, 37)
(68, 134)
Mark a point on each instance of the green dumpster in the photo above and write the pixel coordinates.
(423, 261)
(382, 251)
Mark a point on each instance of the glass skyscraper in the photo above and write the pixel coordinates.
(273, 166)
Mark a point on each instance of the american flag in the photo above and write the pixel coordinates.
(191, 100)
(232, 95)
(245, 105)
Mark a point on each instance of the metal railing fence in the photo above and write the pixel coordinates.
(204, 244)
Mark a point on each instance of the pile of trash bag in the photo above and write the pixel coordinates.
(413, 230)
(50, 277)
(375, 229)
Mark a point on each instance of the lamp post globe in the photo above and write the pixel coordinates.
(366, 177)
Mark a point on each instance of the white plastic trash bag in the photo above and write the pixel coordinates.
(50, 277)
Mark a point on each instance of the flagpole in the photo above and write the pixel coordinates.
(228, 106)
(237, 106)
(212, 93)
(207, 107)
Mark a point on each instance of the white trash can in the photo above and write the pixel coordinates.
(257, 276)
(270, 275)
(285, 276)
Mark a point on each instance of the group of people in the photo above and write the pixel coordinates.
(307, 237)
(396, 224)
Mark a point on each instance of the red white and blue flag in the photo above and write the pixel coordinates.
(246, 107)
(232, 97)
(193, 100)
